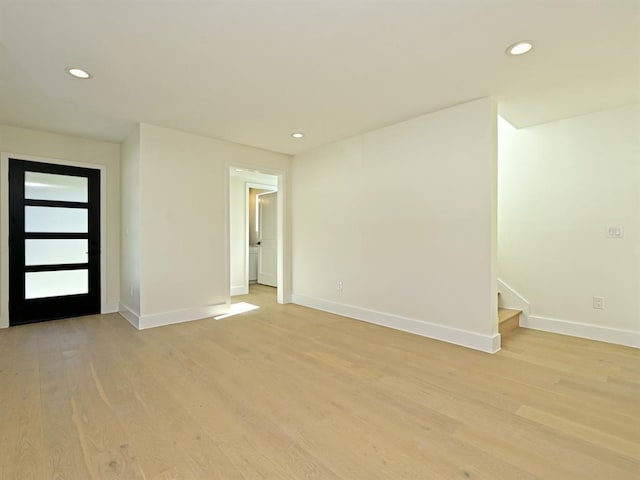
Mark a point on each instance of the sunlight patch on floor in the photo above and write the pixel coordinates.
(237, 308)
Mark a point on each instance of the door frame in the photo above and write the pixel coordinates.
(244, 288)
(284, 244)
(4, 225)
(249, 185)
(258, 219)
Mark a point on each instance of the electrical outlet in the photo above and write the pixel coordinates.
(598, 302)
(615, 232)
(339, 286)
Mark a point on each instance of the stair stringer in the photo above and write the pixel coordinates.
(513, 300)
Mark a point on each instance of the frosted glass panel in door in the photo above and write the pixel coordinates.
(54, 252)
(56, 284)
(48, 186)
(55, 219)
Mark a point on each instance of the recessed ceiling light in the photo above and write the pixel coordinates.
(297, 134)
(78, 73)
(519, 48)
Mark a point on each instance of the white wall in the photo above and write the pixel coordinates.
(79, 150)
(182, 222)
(404, 216)
(183, 244)
(561, 185)
(130, 240)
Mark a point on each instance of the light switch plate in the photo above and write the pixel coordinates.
(615, 232)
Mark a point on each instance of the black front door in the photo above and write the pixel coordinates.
(54, 241)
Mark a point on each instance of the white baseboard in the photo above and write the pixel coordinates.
(477, 341)
(142, 322)
(239, 290)
(583, 330)
(110, 307)
(130, 315)
(512, 299)
(287, 298)
(179, 316)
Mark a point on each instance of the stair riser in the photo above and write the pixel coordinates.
(508, 326)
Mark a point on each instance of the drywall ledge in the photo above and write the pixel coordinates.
(477, 341)
(583, 330)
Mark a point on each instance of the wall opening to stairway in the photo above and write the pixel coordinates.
(568, 228)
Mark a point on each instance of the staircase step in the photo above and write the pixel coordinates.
(508, 320)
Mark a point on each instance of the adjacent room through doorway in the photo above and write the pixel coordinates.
(253, 230)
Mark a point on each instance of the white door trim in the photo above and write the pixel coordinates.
(249, 185)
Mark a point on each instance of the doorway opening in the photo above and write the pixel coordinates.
(255, 231)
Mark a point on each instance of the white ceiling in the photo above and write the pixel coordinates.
(254, 71)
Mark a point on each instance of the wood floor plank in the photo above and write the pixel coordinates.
(25, 441)
(593, 435)
(286, 392)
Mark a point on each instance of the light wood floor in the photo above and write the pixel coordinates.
(284, 392)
